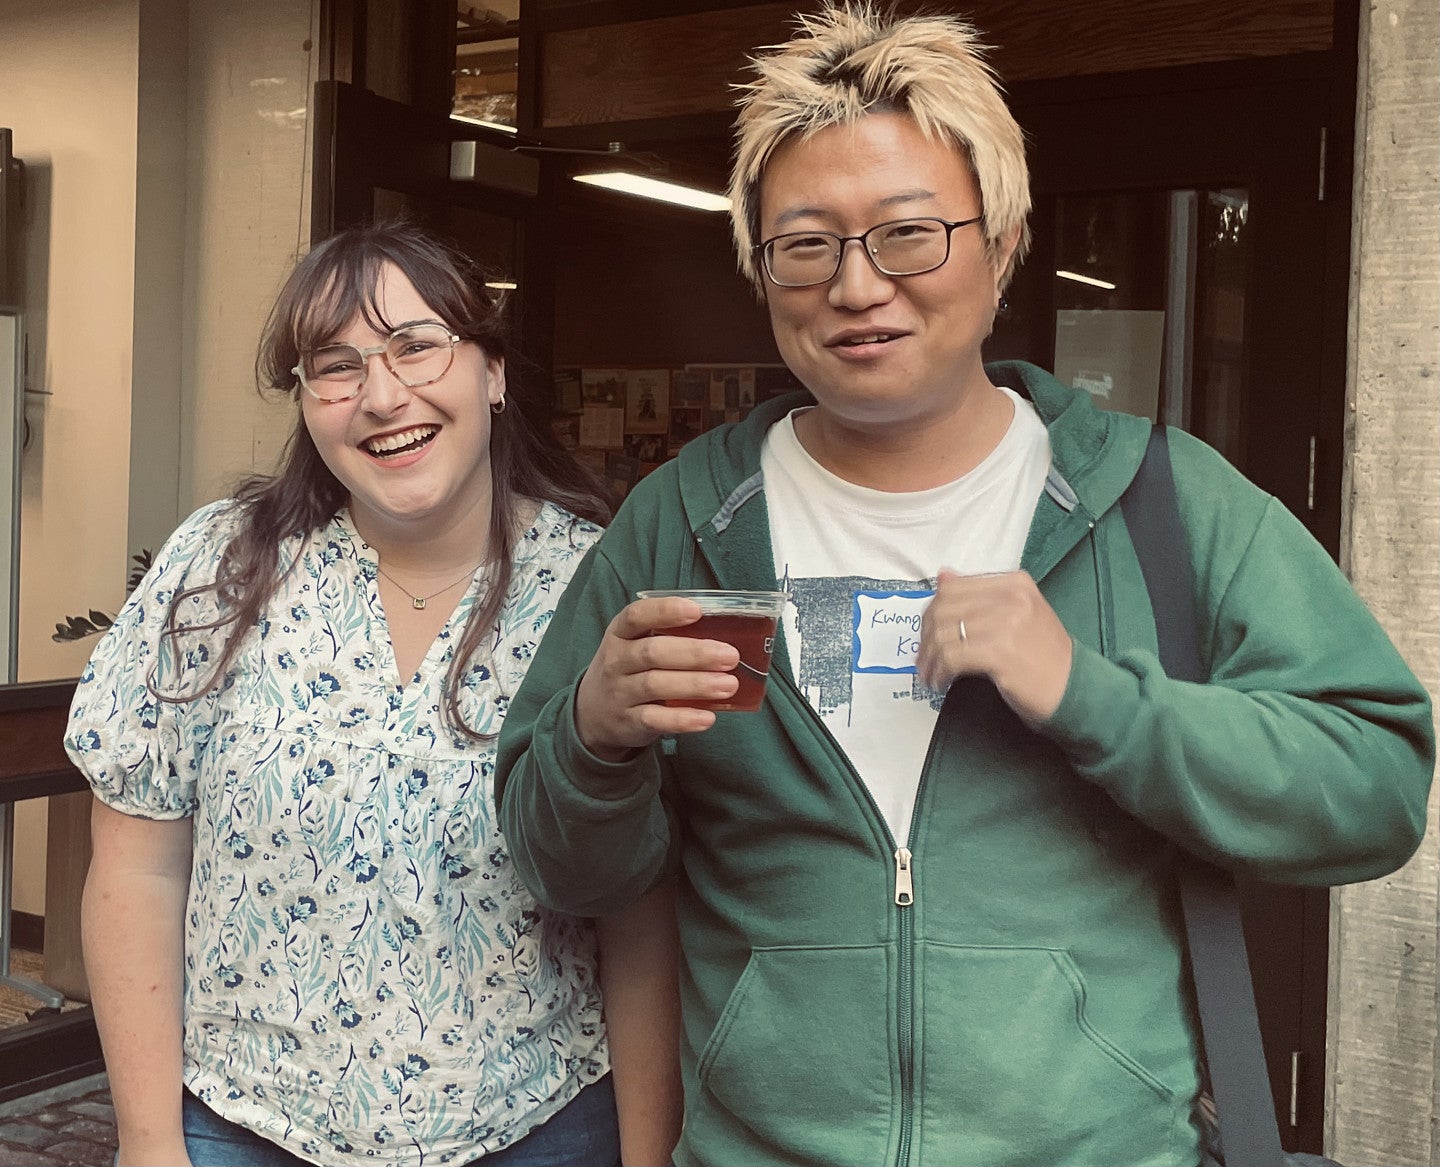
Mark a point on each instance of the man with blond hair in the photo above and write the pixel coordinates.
(926, 893)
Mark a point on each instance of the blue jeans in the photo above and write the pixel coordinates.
(583, 1134)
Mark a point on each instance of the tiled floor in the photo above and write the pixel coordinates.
(69, 1126)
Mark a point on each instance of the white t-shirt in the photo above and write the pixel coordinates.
(860, 565)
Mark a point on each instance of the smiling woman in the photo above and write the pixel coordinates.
(429, 483)
(292, 723)
(408, 435)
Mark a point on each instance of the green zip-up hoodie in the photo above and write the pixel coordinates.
(1026, 1002)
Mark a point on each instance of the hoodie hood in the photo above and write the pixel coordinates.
(1094, 456)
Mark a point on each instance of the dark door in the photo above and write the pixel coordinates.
(376, 159)
(1179, 270)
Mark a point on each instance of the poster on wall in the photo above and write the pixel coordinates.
(568, 398)
(647, 401)
(603, 387)
(629, 421)
(686, 424)
(649, 450)
(731, 393)
(566, 428)
(690, 388)
(602, 428)
(623, 472)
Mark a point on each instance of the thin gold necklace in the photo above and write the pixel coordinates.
(418, 602)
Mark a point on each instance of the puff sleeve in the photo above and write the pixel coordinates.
(142, 755)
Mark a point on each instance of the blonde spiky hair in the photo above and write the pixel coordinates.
(848, 60)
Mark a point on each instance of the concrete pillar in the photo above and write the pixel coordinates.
(1382, 1105)
(251, 71)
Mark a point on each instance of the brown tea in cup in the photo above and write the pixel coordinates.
(745, 620)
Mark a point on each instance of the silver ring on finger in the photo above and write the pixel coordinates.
(963, 637)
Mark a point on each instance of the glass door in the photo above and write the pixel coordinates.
(1150, 291)
(1195, 221)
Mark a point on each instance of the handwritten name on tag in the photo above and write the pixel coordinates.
(886, 631)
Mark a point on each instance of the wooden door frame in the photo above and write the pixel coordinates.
(345, 50)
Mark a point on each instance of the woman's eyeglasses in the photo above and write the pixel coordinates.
(416, 354)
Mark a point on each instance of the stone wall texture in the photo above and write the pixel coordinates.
(1382, 1104)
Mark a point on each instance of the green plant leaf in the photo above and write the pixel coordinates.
(78, 627)
(143, 561)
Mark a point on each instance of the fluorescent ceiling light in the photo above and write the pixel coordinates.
(1079, 279)
(501, 126)
(654, 188)
(502, 285)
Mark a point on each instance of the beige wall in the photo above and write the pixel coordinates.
(168, 146)
(1384, 1054)
(67, 89)
(224, 104)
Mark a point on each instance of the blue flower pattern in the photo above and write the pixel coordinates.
(366, 977)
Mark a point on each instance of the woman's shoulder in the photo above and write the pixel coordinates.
(554, 527)
(201, 537)
(550, 549)
(218, 518)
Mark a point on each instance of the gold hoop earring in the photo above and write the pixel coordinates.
(498, 409)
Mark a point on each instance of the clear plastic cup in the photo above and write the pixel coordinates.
(745, 620)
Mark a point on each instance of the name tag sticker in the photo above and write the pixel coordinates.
(886, 631)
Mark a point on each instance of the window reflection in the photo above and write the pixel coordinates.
(487, 59)
(1222, 277)
(1149, 294)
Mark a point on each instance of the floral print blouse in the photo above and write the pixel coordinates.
(366, 979)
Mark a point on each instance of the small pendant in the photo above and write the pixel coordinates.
(419, 602)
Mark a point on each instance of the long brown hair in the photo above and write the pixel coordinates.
(333, 284)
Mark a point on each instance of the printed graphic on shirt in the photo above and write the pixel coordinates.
(849, 628)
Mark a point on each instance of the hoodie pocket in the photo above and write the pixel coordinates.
(801, 1065)
(1010, 1056)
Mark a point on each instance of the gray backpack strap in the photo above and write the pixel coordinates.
(1224, 995)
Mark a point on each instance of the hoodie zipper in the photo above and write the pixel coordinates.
(904, 904)
(903, 897)
(905, 1014)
